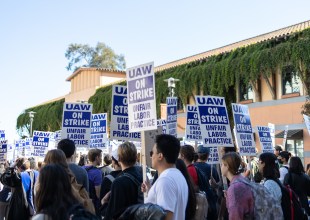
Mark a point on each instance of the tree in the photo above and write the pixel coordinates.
(102, 56)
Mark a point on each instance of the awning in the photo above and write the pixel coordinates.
(292, 134)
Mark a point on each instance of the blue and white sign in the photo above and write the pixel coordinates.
(307, 122)
(192, 129)
(19, 148)
(213, 156)
(172, 115)
(141, 98)
(28, 147)
(10, 152)
(76, 123)
(214, 121)
(272, 129)
(119, 128)
(265, 138)
(40, 142)
(162, 123)
(244, 131)
(2, 134)
(3, 150)
(98, 135)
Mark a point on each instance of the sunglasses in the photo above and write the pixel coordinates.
(151, 153)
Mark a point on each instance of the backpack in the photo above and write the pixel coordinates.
(290, 203)
(265, 206)
(201, 206)
(204, 186)
(82, 196)
(77, 212)
(138, 184)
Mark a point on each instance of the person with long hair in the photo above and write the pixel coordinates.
(191, 203)
(58, 157)
(298, 181)
(54, 196)
(239, 197)
(187, 153)
(268, 167)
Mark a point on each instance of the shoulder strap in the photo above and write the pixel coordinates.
(89, 168)
(31, 174)
(133, 179)
(110, 177)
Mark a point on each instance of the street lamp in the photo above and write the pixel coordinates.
(171, 85)
(31, 116)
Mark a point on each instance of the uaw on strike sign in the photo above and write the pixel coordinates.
(244, 133)
(141, 98)
(76, 123)
(119, 128)
(214, 121)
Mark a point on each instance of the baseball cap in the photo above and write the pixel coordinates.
(203, 150)
(115, 155)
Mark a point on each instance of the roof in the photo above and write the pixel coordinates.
(260, 38)
(292, 134)
(49, 101)
(92, 68)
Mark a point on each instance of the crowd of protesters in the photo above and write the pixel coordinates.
(183, 187)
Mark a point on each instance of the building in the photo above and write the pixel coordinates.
(270, 73)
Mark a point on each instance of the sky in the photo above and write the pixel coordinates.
(34, 36)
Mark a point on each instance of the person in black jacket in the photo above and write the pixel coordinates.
(126, 188)
(298, 181)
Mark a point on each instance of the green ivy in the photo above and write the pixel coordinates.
(215, 75)
(48, 117)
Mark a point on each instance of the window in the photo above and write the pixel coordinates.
(296, 148)
(290, 81)
(246, 92)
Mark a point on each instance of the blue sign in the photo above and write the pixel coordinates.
(172, 115)
(76, 123)
(19, 148)
(265, 138)
(40, 142)
(98, 135)
(192, 129)
(2, 134)
(28, 146)
(119, 128)
(243, 130)
(162, 123)
(213, 156)
(214, 121)
(3, 151)
(141, 98)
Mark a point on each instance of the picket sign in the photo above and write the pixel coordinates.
(142, 106)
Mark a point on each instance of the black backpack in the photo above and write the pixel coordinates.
(138, 184)
(290, 204)
(203, 185)
(77, 212)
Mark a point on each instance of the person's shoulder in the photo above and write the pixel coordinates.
(40, 217)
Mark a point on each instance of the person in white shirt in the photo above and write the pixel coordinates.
(170, 190)
(283, 157)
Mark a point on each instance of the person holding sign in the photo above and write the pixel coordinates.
(170, 190)
(238, 190)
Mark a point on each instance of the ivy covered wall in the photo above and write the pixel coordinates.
(48, 117)
(216, 75)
